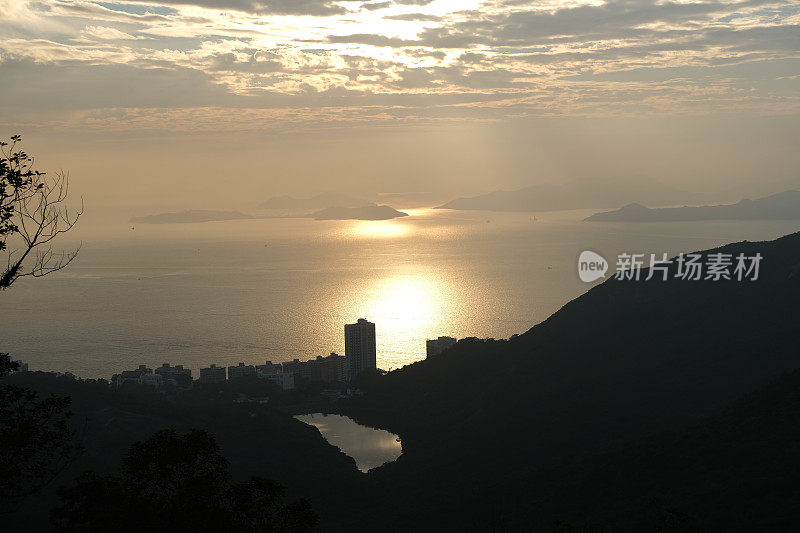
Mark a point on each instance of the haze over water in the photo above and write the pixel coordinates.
(279, 289)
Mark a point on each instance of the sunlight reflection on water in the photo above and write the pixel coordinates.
(278, 289)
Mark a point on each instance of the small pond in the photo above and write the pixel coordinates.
(369, 447)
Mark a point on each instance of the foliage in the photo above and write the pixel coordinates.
(169, 481)
(32, 215)
(368, 379)
(36, 442)
(7, 365)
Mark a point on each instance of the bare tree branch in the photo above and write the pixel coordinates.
(33, 212)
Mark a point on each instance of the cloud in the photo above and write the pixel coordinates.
(264, 7)
(420, 17)
(370, 39)
(106, 34)
(376, 6)
(485, 57)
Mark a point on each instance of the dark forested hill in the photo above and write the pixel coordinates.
(737, 470)
(257, 441)
(626, 361)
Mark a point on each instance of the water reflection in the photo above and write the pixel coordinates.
(380, 229)
(407, 307)
(241, 290)
(369, 447)
(406, 300)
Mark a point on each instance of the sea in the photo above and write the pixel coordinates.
(277, 289)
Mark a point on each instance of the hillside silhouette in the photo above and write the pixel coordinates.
(626, 361)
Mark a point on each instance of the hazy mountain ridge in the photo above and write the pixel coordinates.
(575, 195)
(362, 212)
(319, 201)
(781, 206)
(367, 212)
(191, 217)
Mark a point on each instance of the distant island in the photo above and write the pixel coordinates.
(367, 212)
(578, 194)
(191, 217)
(314, 202)
(782, 206)
(364, 212)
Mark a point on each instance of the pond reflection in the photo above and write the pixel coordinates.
(369, 447)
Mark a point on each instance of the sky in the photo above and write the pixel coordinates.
(202, 103)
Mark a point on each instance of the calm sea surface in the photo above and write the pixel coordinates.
(277, 289)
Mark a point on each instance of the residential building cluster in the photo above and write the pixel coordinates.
(140, 376)
(332, 368)
(360, 355)
(175, 376)
(434, 347)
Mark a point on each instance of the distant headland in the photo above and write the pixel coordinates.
(577, 194)
(190, 217)
(782, 206)
(318, 201)
(367, 212)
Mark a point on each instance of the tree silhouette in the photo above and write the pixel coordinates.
(178, 482)
(36, 443)
(33, 214)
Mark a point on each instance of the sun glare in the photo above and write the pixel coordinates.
(404, 302)
(380, 229)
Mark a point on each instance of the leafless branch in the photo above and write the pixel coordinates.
(33, 212)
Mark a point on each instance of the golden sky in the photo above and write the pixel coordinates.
(461, 69)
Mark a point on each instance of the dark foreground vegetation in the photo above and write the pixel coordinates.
(640, 406)
(177, 482)
(254, 441)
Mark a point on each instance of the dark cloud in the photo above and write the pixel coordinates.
(376, 6)
(370, 39)
(420, 17)
(615, 19)
(413, 2)
(76, 85)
